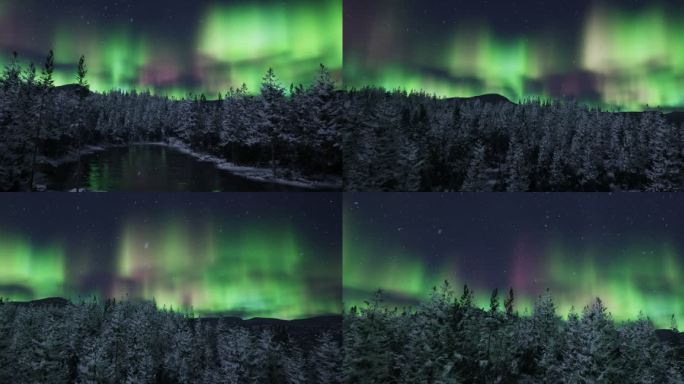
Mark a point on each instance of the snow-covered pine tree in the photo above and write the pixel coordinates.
(360, 152)
(367, 358)
(233, 348)
(27, 327)
(509, 303)
(641, 351)
(138, 363)
(51, 350)
(387, 145)
(326, 359)
(517, 173)
(92, 365)
(476, 179)
(409, 166)
(114, 341)
(271, 114)
(557, 177)
(179, 357)
(327, 115)
(187, 122)
(7, 314)
(591, 353)
(295, 366)
(663, 173)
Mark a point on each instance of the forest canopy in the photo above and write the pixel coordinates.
(446, 339)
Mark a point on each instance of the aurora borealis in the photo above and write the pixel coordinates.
(173, 48)
(267, 255)
(612, 53)
(617, 54)
(292, 255)
(624, 248)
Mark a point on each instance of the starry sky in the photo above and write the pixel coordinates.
(175, 47)
(612, 53)
(626, 249)
(269, 255)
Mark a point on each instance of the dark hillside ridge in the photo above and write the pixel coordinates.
(490, 98)
(48, 301)
(297, 327)
(676, 117)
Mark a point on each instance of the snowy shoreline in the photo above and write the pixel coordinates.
(251, 173)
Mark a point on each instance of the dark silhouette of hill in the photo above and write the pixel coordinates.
(310, 326)
(490, 98)
(676, 117)
(48, 301)
(74, 89)
(304, 329)
(326, 321)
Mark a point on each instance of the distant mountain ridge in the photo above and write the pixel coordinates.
(676, 117)
(322, 322)
(488, 98)
(73, 88)
(305, 330)
(298, 327)
(48, 301)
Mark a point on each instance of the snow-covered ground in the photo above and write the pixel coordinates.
(252, 173)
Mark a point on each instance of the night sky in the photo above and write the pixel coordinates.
(624, 248)
(607, 52)
(174, 47)
(273, 255)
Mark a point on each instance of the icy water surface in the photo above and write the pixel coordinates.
(149, 168)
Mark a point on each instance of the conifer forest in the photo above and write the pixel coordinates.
(448, 339)
(136, 342)
(341, 192)
(445, 339)
(291, 132)
(417, 142)
(389, 140)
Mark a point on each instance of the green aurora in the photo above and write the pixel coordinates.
(627, 58)
(632, 279)
(250, 270)
(42, 269)
(230, 44)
